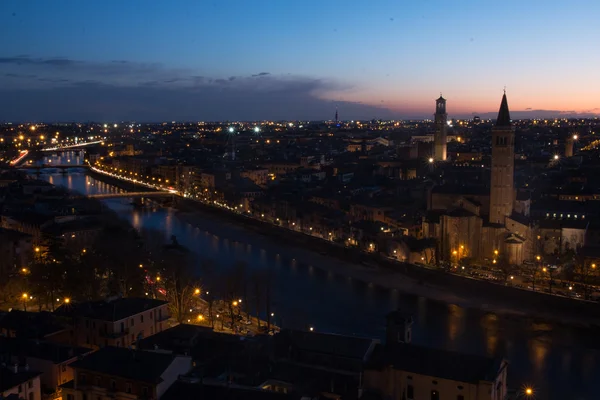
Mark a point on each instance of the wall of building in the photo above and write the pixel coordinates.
(28, 393)
(122, 333)
(181, 365)
(394, 384)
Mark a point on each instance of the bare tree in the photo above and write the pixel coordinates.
(504, 268)
(181, 285)
(585, 273)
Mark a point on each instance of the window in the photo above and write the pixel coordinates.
(70, 397)
(128, 387)
(132, 322)
(145, 391)
(98, 381)
(410, 392)
(113, 384)
(460, 397)
(63, 368)
(31, 396)
(122, 327)
(84, 396)
(87, 323)
(30, 384)
(435, 395)
(142, 318)
(82, 378)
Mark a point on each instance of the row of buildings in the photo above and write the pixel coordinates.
(54, 356)
(452, 183)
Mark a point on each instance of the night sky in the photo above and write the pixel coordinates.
(157, 60)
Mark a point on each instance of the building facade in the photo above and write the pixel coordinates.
(116, 322)
(440, 141)
(502, 190)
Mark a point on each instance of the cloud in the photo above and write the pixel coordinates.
(174, 96)
(262, 74)
(26, 60)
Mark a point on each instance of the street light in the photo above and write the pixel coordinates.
(197, 291)
(67, 300)
(528, 392)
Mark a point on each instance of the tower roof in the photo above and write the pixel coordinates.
(503, 115)
(441, 98)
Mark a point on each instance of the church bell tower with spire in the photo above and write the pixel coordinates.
(503, 166)
(441, 126)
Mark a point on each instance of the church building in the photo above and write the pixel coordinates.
(463, 229)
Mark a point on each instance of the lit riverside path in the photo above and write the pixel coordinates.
(560, 361)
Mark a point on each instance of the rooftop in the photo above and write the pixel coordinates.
(327, 343)
(437, 363)
(9, 379)
(197, 391)
(43, 350)
(114, 310)
(503, 119)
(137, 365)
(32, 325)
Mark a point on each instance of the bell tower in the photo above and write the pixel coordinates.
(503, 166)
(441, 126)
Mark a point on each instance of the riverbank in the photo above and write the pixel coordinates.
(428, 283)
(432, 284)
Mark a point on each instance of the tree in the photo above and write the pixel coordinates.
(117, 253)
(181, 286)
(585, 273)
(504, 268)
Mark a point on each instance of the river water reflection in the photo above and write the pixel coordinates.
(561, 361)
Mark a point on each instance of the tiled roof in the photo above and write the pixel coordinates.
(433, 362)
(10, 379)
(137, 365)
(114, 310)
(43, 350)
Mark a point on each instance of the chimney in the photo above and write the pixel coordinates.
(15, 368)
(26, 367)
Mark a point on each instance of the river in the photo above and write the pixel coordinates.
(558, 360)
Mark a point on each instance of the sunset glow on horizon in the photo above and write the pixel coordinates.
(234, 59)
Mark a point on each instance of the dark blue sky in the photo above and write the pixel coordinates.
(286, 59)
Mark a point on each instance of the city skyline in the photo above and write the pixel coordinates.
(235, 61)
